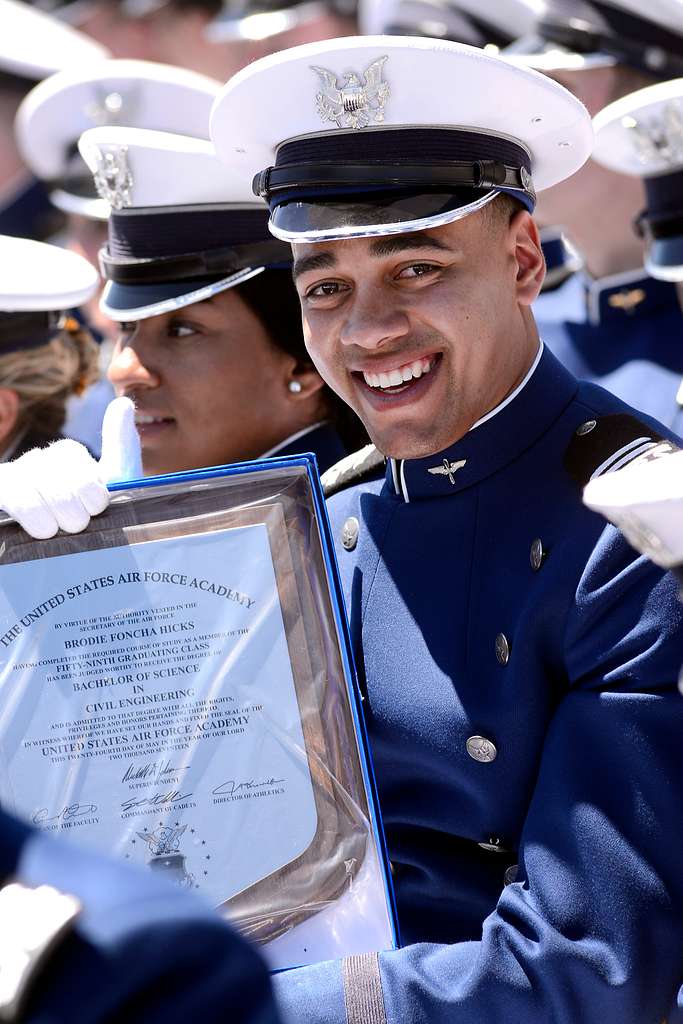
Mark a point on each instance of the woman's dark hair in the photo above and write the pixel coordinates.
(272, 297)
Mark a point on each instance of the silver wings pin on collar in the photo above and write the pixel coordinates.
(355, 101)
(447, 469)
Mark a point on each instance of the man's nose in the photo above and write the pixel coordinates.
(131, 367)
(374, 320)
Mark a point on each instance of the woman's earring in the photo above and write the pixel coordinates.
(295, 387)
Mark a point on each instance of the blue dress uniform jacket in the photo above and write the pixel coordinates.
(623, 333)
(139, 950)
(518, 661)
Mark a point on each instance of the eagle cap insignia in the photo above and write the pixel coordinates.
(660, 138)
(353, 101)
(113, 179)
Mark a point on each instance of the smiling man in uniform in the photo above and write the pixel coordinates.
(517, 658)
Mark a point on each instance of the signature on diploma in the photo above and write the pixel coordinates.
(231, 787)
(68, 813)
(153, 770)
(158, 800)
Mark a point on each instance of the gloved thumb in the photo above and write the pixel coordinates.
(121, 457)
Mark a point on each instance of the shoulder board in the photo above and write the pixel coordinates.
(609, 443)
(353, 469)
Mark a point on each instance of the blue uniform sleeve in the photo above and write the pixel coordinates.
(591, 929)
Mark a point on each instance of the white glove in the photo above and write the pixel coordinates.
(62, 486)
(645, 500)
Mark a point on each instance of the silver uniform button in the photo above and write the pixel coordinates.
(502, 649)
(537, 554)
(350, 531)
(481, 749)
(586, 428)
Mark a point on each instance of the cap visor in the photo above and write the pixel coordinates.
(664, 259)
(388, 214)
(93, 209)
(541, 55)
(125, 302)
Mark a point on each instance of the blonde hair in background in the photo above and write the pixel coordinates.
(44, 378)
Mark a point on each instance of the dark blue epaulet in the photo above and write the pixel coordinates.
(608, 443)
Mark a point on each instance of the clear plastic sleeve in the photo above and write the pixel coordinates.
(177, 688)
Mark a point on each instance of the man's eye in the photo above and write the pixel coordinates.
(418, 270)
(324, 289)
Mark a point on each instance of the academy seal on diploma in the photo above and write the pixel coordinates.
(176, 687)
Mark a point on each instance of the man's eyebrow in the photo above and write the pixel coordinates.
(392, 244)
(318, 261)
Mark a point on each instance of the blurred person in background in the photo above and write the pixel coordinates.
(165, 31)
(46, 356)
(210, 346)
(215, 37)
(641, 137)
(616, 324)
(33, 46)
(255, 28)
(48, 124)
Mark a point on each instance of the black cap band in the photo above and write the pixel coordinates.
(25, 330)
(439, 159)
(188, 266)
(183, 243)
(478, 174)
(663, 217)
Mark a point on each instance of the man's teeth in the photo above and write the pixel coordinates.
(402, 375)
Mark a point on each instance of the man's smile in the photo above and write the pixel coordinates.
(400, 375)
(398, 384)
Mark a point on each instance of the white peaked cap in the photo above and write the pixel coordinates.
(512, 18)
(35, 276)
(34, 45)
(581, 34)
(130, 93)
(645, 501)
(468, 102)
(642, 133)
(666, 13)
(173, 204)
(433, 83)
(164, 170)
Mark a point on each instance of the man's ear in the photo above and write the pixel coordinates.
(528, 255)
(9, 415)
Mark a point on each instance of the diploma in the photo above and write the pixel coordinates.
(175, 688)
